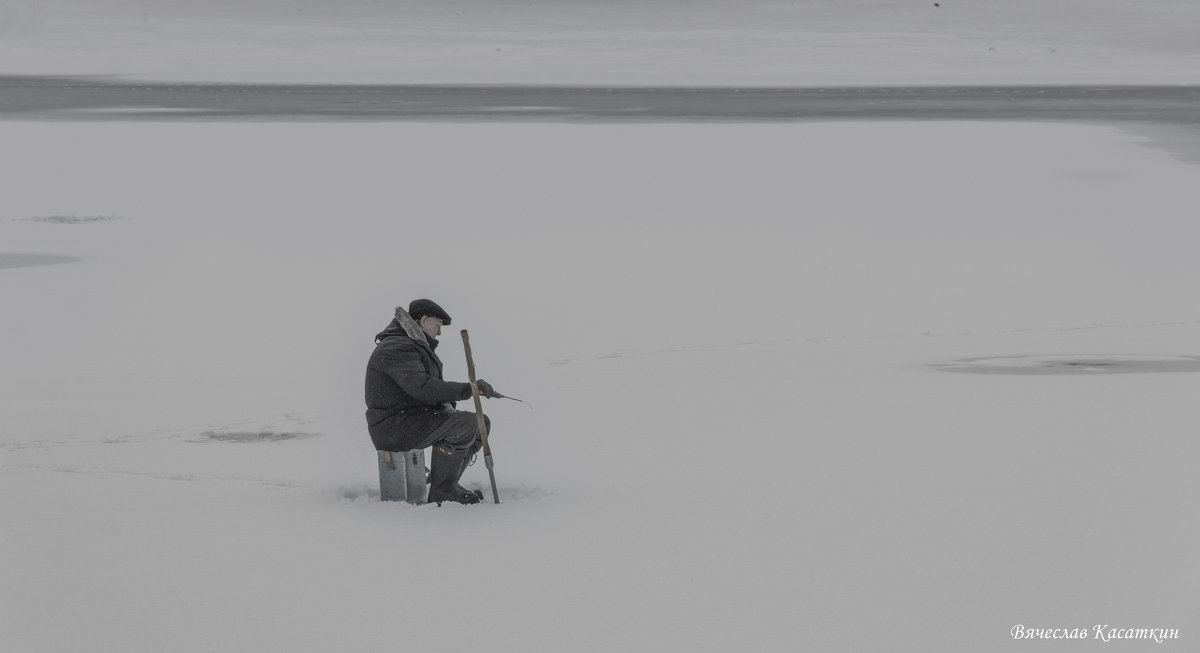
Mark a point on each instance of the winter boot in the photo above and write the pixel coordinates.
(447, 468)
(465, 464)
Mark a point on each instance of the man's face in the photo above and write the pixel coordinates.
(432, 326)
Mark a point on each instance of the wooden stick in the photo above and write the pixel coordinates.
(487, 449)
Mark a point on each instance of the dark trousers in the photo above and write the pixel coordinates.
(459, 434)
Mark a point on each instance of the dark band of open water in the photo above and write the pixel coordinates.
(103, 98)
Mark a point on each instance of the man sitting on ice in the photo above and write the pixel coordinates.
(409, 406)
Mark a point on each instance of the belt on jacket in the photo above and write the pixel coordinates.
(420, 409)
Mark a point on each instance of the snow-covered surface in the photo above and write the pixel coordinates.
(743, 431)
(736, 437)
(765, 42)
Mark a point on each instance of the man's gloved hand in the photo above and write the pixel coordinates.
(485, 388)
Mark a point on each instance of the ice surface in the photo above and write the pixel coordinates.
(736, 435)
(766, 42)
(735, 440)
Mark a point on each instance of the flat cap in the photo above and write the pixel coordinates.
(419, 308)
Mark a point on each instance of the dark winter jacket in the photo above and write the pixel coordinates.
(404, 389)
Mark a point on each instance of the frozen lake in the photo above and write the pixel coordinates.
(738, 436)
(848, 326)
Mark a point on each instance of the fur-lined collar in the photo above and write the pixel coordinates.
(404, 324)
